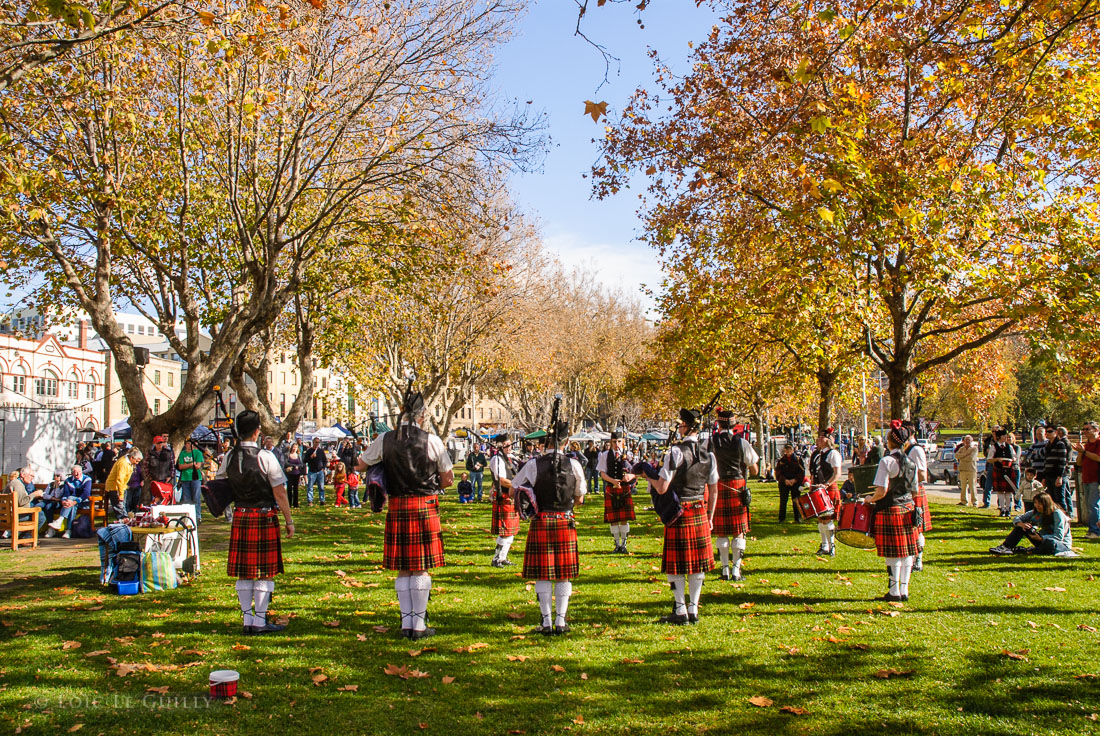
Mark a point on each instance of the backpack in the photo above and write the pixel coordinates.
(111, 539)
(82, 528)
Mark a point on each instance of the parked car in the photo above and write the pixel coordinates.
(951, 475)
(941, 464)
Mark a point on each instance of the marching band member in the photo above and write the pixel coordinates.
(895, 533)
(417, 468)
(618, 485)
(505, 518)
(729, 521)
(920, 496)
(690, 472)
(550, 555)
(825, 466)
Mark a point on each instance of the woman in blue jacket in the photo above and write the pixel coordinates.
(1046, 526)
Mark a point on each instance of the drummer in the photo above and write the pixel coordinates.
(918, 457)
(894, 528)
(825, 466)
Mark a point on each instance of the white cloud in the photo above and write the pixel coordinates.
(624, 266)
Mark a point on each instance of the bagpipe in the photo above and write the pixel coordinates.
(667, 504)
(527, 505)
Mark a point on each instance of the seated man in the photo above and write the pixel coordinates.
(50, 500)
(20, 486)
(465, 490)
(78, 495)
(1046, 527)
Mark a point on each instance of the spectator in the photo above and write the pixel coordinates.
(1029, 488)
(465, 490)
(78, 495)
(315, 461)
(1068, 495)
(134, 485)
(592, 455)
(118, 480)
(874, 455)
(1046, 527)
(859, 456)
(1017, 452)
(293, 467)
(340, 483)
(160, 469)
(791, 474)
(103, 461)
(475, 465)
(1055, 463)
(189, 463)
(966, 455)
(210, 466)
(1088, 459)
(353, 490)
(50, 500)
(848, 490)
(21, 486)
(987, 488)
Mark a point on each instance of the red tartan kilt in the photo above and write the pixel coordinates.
(255, 550)
(731, 516)
(687, 547)
(551, 550)
(1000, 479)
(505, 516)
(617, 516)
(921, 498)
(834, 496)
(895, 535)
(412, 537)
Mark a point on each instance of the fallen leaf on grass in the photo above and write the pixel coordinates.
(403, 671)
(887, 674)
(71, 645)
(557, 668)
(162, 690)
(779, 591)
(515, 616)
(1086, 627)
(361, 637)
(472, 647)
(794, 710)
(381, 629)
(246, 695)
(1087, 676)
(579, 720)
(518, 658)
(518, 636)
(584, 675)
(422, 726)
(75, 727)
(633, 661)
(746, 606)
(335, 623)
(1013, 596)
(348, 688)
(1020, 655)
(98, 652)
(1055, 590)
(761, 702)
(320, 678)
(240, 647)
(447, 679)
(889, 613)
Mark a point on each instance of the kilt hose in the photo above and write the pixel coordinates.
(412, 539)
(505, 516)
(834, 496)
(731, 516)
(687, 548)
(618, 508)
(255, 550)
(551, 551)
(921, 499)
(895, 535)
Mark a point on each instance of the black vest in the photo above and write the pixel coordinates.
(251, 488)
(409, 470)
(554, 491)
(616, 464)
(510, 471)
(730, 455)
(1003, 450)
(820, 470)
(901, 487)
(690, 477)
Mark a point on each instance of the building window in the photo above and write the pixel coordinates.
(324, 383)
(170, 402)
(19, 384)
(171, 379)
(156, 377)
(130, 329)
(47, 385)
(89, 391)
(125, 406)
(156, 406)
(74, 390)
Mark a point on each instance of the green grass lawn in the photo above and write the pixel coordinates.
(799, 631)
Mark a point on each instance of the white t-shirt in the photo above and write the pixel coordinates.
(675, 458)
(527, 474)
(834, 460)
(887, 468)
(437, 453)
(918, 458)
(498, 466)
(269, 465)
(601, 464)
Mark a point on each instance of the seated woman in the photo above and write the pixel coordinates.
(1046, 526)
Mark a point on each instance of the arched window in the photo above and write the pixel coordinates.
(19, 379)
(46, 385)
(74, 385)
(90, 387)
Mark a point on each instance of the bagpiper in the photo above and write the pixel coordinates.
(690, 472)
(505, 518)
(417, 468)
(825, 464)
(894, 527)
(550, 556)
(618, 489)
(729, 522)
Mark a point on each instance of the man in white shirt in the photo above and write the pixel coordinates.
(825, 466)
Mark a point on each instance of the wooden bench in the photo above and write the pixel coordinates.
(10, 522)
(97, 505)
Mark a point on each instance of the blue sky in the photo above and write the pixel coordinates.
(558, 71)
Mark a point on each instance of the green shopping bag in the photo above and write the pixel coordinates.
(158, 572)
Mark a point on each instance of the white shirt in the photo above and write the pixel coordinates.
(498, 466)
(527, 474)
(601, 464)
(437, 453)
(269, 465)
(675, 458)
(918, 458)
(887, 468)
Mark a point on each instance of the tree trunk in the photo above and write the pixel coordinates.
(899, 384)
(826, 383)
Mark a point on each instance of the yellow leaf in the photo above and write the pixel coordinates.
(833, 185)
(826, 214)
(206, 17)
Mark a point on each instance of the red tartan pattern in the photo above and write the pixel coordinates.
(921, 499)
(731, 516)
(687, 548)
(1001, 477)
(895, 535)
(255, 550)
(412, 537)
(617, 516)
(551, 550)
(505, 516)
(834, 496)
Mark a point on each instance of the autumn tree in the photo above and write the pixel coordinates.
(937, 154)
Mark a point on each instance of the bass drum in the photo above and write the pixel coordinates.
(856, 522)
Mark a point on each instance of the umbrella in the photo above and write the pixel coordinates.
(119, 430)
(535, 435)
(653, 436)
(330, 433)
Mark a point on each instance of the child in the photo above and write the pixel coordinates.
(340, 482)
(353, 490)
(1029, 488)
(465, 490)
(848, 490)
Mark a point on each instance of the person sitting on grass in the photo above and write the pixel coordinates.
(465, 490)
(1046, 526)
(848, 490)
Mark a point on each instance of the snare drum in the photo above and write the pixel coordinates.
(815, 502)
(856, 520)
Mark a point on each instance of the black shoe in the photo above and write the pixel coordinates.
(725, 575)
(561, 630)
(675, 619)
(247, 630)
(506, 563)
(544, 630)
(495, 562)
(821, 552)
(406, 633)
(414, 635)
(268, 628)
(905, 599)
(890, 598)
(918, 566)
(693, 618)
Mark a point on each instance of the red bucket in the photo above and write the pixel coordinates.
(223, 683)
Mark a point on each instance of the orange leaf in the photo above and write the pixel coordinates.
(70, 645)
(761, 702)
(518, 658)
(794, 710)
(887, 674)
(447, 679)
(160, 690)
(557, 668)
(332, 624)
(348, 688)
(595, 109)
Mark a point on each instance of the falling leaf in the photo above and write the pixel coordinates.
(887, 674)
(348, 688)
(71, 645)
(761, 702)
(794, 710)
(447, 679)
(557, 668)
(595, 109)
